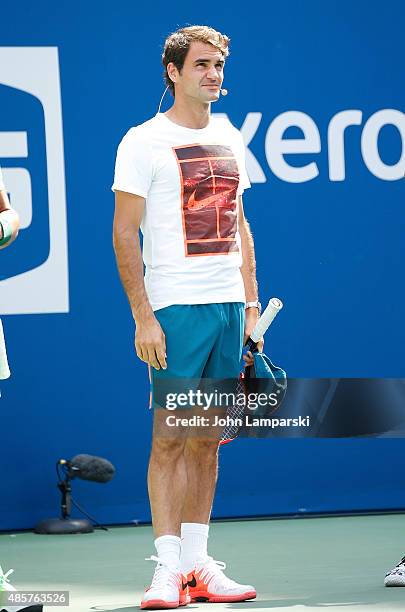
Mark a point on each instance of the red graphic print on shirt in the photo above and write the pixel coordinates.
(209, 180)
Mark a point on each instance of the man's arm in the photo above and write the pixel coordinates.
(9, 220)
(248, 271)
(150, 342)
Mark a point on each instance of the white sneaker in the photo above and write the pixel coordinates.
(168, 588)
(396, 576)
(5, 585)
(207, 582)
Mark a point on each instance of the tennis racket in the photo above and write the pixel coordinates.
(4, 369)
(234, 412)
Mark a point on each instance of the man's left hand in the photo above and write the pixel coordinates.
(252, 316)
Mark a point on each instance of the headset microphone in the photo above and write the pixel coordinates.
(224, 92)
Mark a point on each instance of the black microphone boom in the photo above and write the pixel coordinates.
(88, 467)
(85, 467)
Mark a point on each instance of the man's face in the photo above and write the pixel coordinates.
(202, 74)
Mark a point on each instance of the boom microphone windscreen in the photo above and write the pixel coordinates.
(88, 467)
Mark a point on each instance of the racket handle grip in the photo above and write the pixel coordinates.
(273, 308)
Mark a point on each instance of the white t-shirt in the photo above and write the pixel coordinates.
(190, 179)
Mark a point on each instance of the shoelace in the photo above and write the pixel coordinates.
(163, 573)
(4, 581)
(213, 570)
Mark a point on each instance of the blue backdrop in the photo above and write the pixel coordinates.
(74, 76)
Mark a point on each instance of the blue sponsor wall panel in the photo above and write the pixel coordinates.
(316, 89)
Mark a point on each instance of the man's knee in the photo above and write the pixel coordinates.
(203, 446)
(167, 448)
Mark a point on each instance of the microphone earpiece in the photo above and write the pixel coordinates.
(224, 92)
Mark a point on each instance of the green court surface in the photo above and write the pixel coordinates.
(305, 564)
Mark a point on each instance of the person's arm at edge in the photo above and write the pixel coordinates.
(149, 337)
(248, 271)
(9, 215)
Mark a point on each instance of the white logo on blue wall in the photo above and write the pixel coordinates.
(278, 148)
(34, 272)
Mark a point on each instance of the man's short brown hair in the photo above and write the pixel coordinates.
(177, 45)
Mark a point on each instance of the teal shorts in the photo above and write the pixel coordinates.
(202, 340)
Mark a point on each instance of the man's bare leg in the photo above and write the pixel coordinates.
(167, 484)
(182, 474)
(201, 464)
(201, 458)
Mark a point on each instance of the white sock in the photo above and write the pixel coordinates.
(194, 541)
(168, 549)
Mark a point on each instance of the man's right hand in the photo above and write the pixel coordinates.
(150, 342)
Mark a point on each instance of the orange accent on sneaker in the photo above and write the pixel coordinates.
(199, 591)
(159, 604)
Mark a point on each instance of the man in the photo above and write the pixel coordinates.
(9, 225)
(180, 178)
